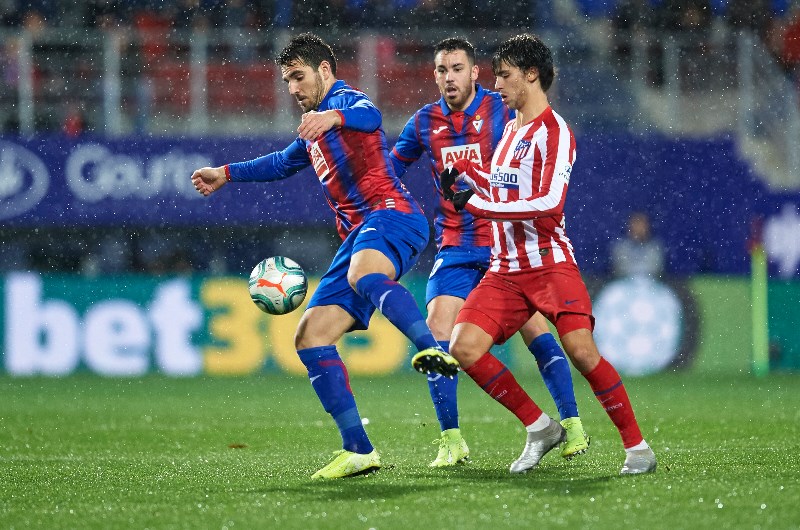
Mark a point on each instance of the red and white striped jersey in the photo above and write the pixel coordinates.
(525, 193)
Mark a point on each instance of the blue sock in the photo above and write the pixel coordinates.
(444, 396)
(556, 373)
(329, 379)
(398, 306)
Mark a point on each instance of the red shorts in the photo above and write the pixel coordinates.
(503, 302)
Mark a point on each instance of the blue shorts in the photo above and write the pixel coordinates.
(401, 237)
(456, 271)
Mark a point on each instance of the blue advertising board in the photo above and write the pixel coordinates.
(700, 195)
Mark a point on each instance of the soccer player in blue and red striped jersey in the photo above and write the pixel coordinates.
(382, 227)
(467, 123)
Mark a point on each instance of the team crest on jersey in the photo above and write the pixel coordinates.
(471, 152)
(318, 161)
(477, 123)
(521, 150)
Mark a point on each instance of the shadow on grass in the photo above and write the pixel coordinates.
(390, 483)
(540, 478)
(350, 489)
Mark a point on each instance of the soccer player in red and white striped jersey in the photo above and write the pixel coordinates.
(533, 265)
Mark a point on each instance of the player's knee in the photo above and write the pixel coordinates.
(464, 353)
(304, 338)
(583, 354)
(441, 328)
(301, 342)
(353, 277)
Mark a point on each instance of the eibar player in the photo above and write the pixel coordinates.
(533, 265)
(382, 227)
(467, 122)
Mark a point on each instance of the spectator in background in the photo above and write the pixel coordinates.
(102, 14)
(74, 121)
(790, 44)
(33, 21)
(753, 15)
(639, 253)
(189, 15)
(237, 19)
(689, 21)
(9, 13)
(629, 19)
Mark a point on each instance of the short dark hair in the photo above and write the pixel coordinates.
(456, 43)
(308, 49)
(526, 51)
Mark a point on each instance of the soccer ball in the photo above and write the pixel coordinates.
(278, 285)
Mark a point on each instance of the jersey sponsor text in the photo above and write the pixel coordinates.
(505, 178)
(318, 161)
(471, 152)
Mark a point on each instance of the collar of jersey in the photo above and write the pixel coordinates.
(338, 85)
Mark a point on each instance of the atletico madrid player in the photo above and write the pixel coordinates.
(533, 265)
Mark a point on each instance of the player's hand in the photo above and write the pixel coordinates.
(207, 180)
(314, 124)
(460, 199)
(447, 179)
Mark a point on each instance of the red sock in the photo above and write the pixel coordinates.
(496, 380)
(610, 392)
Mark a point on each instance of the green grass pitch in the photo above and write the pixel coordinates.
(87, 452)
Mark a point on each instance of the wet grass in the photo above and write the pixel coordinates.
(86, 452)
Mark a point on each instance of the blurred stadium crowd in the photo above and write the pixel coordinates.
(162, 29)
(159, 250)
(680, 15)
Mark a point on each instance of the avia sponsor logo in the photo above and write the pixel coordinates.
(95, 173)
(507, 178)
(24, 180)
(521, 150)
(318, 161)
(471, 152)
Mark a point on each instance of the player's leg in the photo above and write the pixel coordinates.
(453, 449)
(610, 392)
(542, 432)
(557, 377)
(561, 290)
(491, 314)
(333, 310)
(456, 271)
(385, 248)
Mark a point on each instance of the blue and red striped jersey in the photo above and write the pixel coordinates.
(447, 136)
(352, 162)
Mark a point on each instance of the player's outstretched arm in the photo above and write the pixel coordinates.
(207, 180)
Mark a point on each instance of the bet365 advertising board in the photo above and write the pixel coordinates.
(55, 325)
(700, 194)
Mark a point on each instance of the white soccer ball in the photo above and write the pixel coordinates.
(278, 285)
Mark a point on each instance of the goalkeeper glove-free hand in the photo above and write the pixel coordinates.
(447, 179)
(460, 199)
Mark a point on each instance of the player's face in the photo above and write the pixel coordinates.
(455, 77)
(510, 81)
(305, 84)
